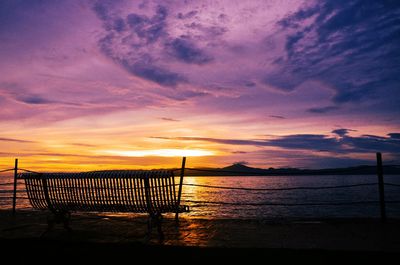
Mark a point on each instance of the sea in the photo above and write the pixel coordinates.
(211, 197)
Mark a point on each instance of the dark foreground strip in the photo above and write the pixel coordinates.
(53, 251)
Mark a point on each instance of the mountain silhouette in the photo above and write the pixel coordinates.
(238, 169)
(242, 168)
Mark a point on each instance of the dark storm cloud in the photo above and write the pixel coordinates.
(284, 80)
(35, 100)
(149, 29)
(323, 110)
(153, 73)
(341, 132)
(186, 51)
(187, 15)
(301, 141)
(14, 93)
(101, 9)
(371, 143)
(142, 31)
(207, 32)
(316, 142)
(307, 141)
(119, 25)
(348, 45)
(394, 135)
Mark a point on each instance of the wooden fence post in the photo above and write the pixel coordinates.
(180, 187)
(379, 169)
(15, 186)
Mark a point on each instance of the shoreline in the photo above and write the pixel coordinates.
(268, 220)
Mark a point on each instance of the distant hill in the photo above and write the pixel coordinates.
(243, 170)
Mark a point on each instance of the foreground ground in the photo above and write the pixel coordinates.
(104, 235)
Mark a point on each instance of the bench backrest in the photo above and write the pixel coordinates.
(112, 191)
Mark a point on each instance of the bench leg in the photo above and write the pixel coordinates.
(159, 227)
(58, 217)
(149, 226)
(155, 219)
(65, 221)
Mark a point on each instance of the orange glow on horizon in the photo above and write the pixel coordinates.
(160, 153)
(116, 141)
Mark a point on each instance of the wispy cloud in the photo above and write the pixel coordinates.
(322, 110)
(277, 117)
(83, 144)
(343, 132)
(15, 140)
(338, 43)
(216, 140)
(313, 142)
(168, 119)
(239, 152)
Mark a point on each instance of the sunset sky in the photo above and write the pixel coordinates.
(137, 84)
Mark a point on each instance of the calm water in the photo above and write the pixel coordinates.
(193, 194)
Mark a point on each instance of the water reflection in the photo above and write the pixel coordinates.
(200, 194)
(361, 194)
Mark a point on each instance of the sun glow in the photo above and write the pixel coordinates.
(161, 152)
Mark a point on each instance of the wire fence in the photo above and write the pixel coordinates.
(29, 171)
(264, 172)
(249, 189)
(392, 184)
(288, 204)
(264, 189)
(18, 197)
(280, 189)
(6, 184)
(332, 203)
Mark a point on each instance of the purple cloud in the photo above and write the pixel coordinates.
(34, 100)
(277, 117)
(15, 140)
(344, 44)
(186, 51)
(314, 142)
(322, 110)
(394, 135)
(153, 73)
(168, 119)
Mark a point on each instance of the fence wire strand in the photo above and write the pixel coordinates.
(29, 171)
(392, 184)
(289, 204)
(6, 184)
(280, 189)
(344, 170)
(9, 198)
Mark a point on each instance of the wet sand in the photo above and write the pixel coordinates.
(101, 236)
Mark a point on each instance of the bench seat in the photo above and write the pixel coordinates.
(135, 191)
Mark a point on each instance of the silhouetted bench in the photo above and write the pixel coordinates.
(139, 191)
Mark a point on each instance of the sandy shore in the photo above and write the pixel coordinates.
(120, 235)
